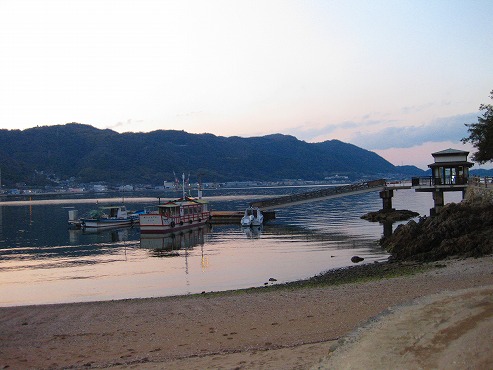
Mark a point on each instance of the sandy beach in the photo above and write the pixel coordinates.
(296, 327)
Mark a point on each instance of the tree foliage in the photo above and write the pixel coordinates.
(481, 134)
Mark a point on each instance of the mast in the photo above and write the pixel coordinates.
(183, 179)
(199, 192)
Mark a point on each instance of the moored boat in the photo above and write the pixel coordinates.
(109, 217)
(252, 217)
(174, 216)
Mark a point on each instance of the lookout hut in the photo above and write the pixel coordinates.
(450, 172)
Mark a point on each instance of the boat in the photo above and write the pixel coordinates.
(175, 216)
(252, 217)
(109, 217)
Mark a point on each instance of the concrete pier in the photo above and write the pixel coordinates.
(386, 196)
(438, 199)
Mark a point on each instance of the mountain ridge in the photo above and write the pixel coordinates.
(88, 154)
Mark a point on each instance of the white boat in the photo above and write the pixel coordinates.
(253, 217)
(109, 217)
(174, 216)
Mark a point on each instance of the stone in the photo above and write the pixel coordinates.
(392, 215)
(464, 229)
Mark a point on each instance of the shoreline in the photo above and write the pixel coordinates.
(286, 325)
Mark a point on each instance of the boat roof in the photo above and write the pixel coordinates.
(187, 201)
(111, 207)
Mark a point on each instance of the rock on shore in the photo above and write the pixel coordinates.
(464, 229)
(392, 215)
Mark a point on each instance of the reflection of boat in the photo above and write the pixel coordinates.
(168, 244)
(94, 235)
(174, 216)
(109, 217)
(253, 217)
(252, 232)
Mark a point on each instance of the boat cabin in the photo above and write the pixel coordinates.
(115, 211)
(184, 209)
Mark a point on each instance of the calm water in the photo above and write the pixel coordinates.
(42, 261)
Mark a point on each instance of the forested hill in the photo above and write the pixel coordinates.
(89, 154)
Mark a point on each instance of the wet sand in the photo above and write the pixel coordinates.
(290, 327)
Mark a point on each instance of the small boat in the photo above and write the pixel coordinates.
(174, 216)
(253, 217)
(109, 217)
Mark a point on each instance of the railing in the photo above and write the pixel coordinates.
(321, 193)
(437, 181)
(486, 181)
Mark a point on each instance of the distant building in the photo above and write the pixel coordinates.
(126, 188)
(100, 188)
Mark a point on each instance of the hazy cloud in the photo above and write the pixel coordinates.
(439, 130)
(129, 123)
(308, 134)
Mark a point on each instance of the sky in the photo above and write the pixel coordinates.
(397, 77)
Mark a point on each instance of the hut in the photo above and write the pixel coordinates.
(450, 172)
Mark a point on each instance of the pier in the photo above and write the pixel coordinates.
(234, 217)
(450, 172)
(321, 194)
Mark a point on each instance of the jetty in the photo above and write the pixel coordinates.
(450, 172)
(320, 194)
(234, 217)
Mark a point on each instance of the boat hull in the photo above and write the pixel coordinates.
(156, 224)
(106, 224)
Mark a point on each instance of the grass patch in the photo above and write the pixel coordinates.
(348, 275)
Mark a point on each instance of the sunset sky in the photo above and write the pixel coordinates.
(400, 78)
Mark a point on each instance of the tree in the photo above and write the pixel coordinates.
(481, 134)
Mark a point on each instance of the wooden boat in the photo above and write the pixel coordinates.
(109, 217)
(174, 216)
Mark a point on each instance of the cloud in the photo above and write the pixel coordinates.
(309, 133)
(122, 126)
(439, 130)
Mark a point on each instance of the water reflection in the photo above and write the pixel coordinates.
(253, 232)
(168, 245)
(98, 236)
(38, 253)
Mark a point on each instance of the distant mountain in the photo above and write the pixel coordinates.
(88, 154)
(481, 172)
(411, 171)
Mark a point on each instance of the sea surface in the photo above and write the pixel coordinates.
(43, 261)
